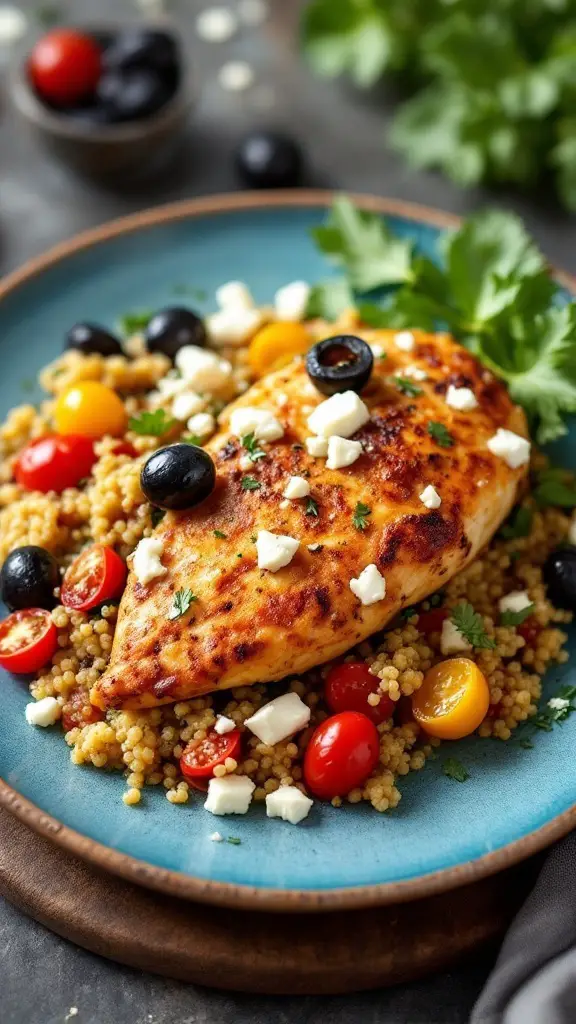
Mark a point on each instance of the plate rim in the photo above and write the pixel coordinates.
(231, 894)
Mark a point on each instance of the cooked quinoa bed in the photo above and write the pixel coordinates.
(146, 745)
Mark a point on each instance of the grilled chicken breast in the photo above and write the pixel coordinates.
(251, 625)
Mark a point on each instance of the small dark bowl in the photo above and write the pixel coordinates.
(129, 150)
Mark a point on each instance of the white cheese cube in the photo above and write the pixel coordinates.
(275, 550)
(234, 295)
(187, 404)
(281, 399)
(215, 837)
(414, 373)
(236, 76)
(430, 497)
(342, 452)
(203, 370)
(405, 341)
(233, 326)
(462, 399)
(317, 447)
(169, 387)
(202, 424)
(245, 463)
(216, 24)
(260, 422)
(515, 601)
(370, 586)
(284, 504)
(507, 445)
(224, 725)
(288, 803)
(313, 547)
(290, 301)
(231, 794)
(43, 712)
(146, 563)
(280, 718)
(297, 487)
(452, 640)
(377, 350)
(341, 414)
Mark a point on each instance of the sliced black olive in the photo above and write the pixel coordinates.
(178, 477)
(269, 160)
(90, 338)
(28, 578)
(144, 48)
(132, 94)
(342, 363)
(559, 574)
(171, 329)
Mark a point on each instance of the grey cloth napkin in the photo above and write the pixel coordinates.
(534, 979)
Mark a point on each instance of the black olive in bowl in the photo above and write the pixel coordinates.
(269, 160)
(28, 578)
(178, 476)
(143, 48)
(171, 329)
(131, 95)
(92, 339)
(342, 363)
(559, 574)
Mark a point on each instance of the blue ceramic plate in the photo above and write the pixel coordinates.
(443, 834)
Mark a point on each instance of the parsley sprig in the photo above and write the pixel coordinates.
(471, 625)
(181, 603)
(250, 443)
(131, 323)
(439, 433)
(249, 483)
(455, 770)
(360, 517)
(510, 618)
(407, 387)
(311, 507)
(153, 424)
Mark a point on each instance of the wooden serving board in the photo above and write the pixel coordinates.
(249, 951)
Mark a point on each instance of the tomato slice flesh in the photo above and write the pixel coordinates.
(97, 575)
(28, 639)
(348, 687)
(200, 759)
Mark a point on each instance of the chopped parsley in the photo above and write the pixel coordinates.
(407, 387)
(361, 512)
(220, 535)
(130, 323)
(555, 487)
(510, 618)
(239, 555)
(253, 538)
(181, 603)
(154, 424)
(311, 507)
(234, 840)
(439, 433)
(249, 483)
(250, 443)
(471, 625)
(454, 769)
(519, 524)
(194, 439)
(557, 710)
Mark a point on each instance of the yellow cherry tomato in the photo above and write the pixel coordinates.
(275, 345)
(453, 699)
(91, 409)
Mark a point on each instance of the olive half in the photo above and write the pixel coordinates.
(342, 363)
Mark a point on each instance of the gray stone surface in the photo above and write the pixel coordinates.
(41, 976)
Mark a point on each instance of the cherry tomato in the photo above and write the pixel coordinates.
(276, 345)
(431, 621)
(53, 463)
(453, 699)
(529, 629)
(90, 408)
(341, 755)
(199, 761)
(97, 575)
(28, 639)
(65, 66)
(125, 448)
(78, 711)
(347, 688)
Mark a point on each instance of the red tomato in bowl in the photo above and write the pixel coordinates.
(96, 576)
(65, 66)
(28, 639)
(199, 761)
(348, 687)
(432, 620)
(341, 755)
(54, 462)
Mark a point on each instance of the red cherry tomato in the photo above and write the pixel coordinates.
(78, 710)
(28, 639)
(431, 622)
(97, 575)
(341, 755)
(52, 463)
(65, 66)
(347, 688)
(529, 629)
(199, 762)
(124, 448)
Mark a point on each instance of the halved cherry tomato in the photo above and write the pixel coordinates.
(199, 761)
(90, 408)
(453, 699)
(341, 755)
(347, 688)
(78, 711)
(97, 575)
(431, 621)
(65, 66)
(275, 345)
(52, 463)
(28, 639)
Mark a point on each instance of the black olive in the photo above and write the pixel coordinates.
(133, 94)
(559, 574)
(269, 160)
(178, 477)
(342, 363)
(89, 338)
(28, 578)
(147, 49)
(171, 329)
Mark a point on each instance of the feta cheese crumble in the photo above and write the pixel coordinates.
(297, 487)
(43, 712)
(216, 24)
(215, 837)
(341, 414)
(275, 550)
(246, 463)
(234, 295)
(186, 405)
(203, 370)
(507, 445)
(146, 562)
(462, 399)
(370, 586)
(290, 301)
(314, 547)
(558, 703)
(452, 641)
(515, 601)
(415, 373)
(405, 341)
(224, 725)
(236, 76)
(233, 326)
(230, 794)
(202, 424)
(288, 803)
(342, 452)
(430, 497)
(317, 447)
(260, 422)
(280, 718)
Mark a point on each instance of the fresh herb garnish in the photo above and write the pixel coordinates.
(510, 618)
(361, 512)
(234, 840)
(156, 515)
(181, 603)
(329, 299)
(519, 524)
(407, 387)
(250, 443)
(220, 535)
(153, 424)
(131, 323)
(311, 507)
(557, 710)
(194, 439)
(253, 538)
(555, 487)
(526, 744)
(454, 769)
(439, 433)
(471, 625)
(249, 483)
